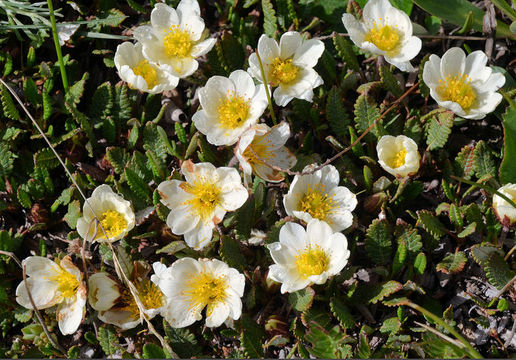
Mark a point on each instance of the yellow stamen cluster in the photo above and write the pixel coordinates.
(233, 111)
(282, 72)
(316, 202)
(312, 261)
(385, 37)
(206, 197)
(398, 159)
(149, 294)
(258, 151)
(67, 283)
(177, 43)
(205, 289)
(147, 72)
(457, 89)
(113, 223)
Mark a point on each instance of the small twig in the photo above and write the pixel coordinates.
(504, 289)
(440, 334)
(38, 315)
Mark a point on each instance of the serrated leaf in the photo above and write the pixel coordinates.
(22, 314)
(452, 263)
(345, 50)
(366, 113)
(118, 158)
(399, 257)
(232, 51)
(508, 165)
(438, 129)
(231, 254)
(74, 212)
(125, 261)
(31, 92)
(107, 340)
(378, 242)
(113, 18)
(385, 290)
(153, 351)
(46, 158)
(482, 252)
(430, 223)
(389, 82)
(122, 106)
(137, 184)
(455, 216)
(497, 271)
(301, 300)
(465, 162)
(8, 106)
(336, 113)
(342, 313)
(390, 326)
(182, 341)
(325, 344)
(75, 92)
(484, 163)
(153, 140)
(251, 337)
(6, 160)
(468, 230)
(269, 18)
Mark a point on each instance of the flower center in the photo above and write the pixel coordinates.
(150, 295)
(258, 151)
(204, 289)
(206, 197)
(398, 159)
(458, 89)
(282, 71)
(113, 223)
(177, 42)
(233, 111)
(316, 202)
(386, 38)
(147, 72)
(311, 261)
(67, 283)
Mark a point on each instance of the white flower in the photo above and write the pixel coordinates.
(229, 107)
(191, 285)
(103, 291)
(385, 31)
(319, 196)
(139, 73)
(115, 214)
(199, 203)
(260, 148)
(502, 208)
(288, 65)
(175, 37)
(307, 257)
(54, 283)
(398, 155)
(464, 85)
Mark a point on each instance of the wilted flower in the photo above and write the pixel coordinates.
(191, 285)
(199, 203)
(229, 107)
(464, 85)
(385, 31)
(175, 37)
(289, 66)
(502, 208)
(115, 215)
(103, 291)
(398, 155)
(139, 73)
(307, 257)
(54, 283)
(261, 148)
(319, 196)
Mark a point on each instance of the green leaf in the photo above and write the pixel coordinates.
(366, 113)
(8, 106)
(46, 158)
(118, 158)
(385, 290)
(231, 254)
(113, 18)
(508, 166)
(182, 341)
(420, 263)
(301, 300)
(251, 337)
(390, 326)
(403, 5)
(22, 314)
(336, 113)
(438, 129)
(465, 163)
(345, 51)
(378, 242)
(325, 344)
(232, 51)
(122, 106)
(101, 102)
(452, 263)
(74, 352)
(153, 351)
(430, 223)
(497, 271)
(74, 212)
(31, 92)
(389, 82)
(152, 138)
(6, 160)
(457, 11)
(342, 313)
(137, 184)
(75, 92)
(468, 230)
(484, 163)
(482, 252)
(399, 257)
(108, 340)
(269, 18)
(245, 219)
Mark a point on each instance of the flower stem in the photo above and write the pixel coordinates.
(485, 187)
(62, 69)
(271, 109)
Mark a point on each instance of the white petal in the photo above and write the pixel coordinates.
(453, 62)
(289, 43)
(163, 16)
(244, 84)
(179, 313)
(218, 315)
(268, 49)
(70, 313)
(203, 47)
(44, 293)
(200, 236)
(308, 54)
(181, 220)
